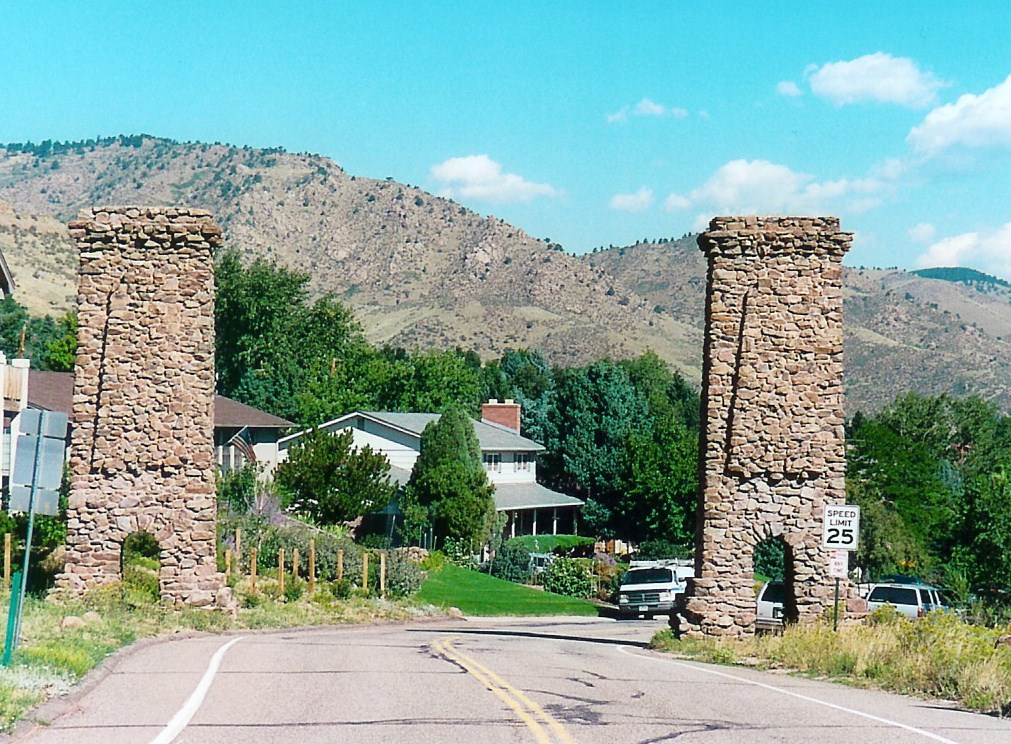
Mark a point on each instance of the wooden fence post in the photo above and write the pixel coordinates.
(382, 574)
(252, 570)
(365, 571)
(340, 565)
(7, 559)
(312, 565)
(294, 563)
(280, 573)
(238, 544)
(228, 563)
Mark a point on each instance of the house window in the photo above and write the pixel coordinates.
(522, 461)
(492, 462)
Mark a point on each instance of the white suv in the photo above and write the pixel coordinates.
(911, 600)
(652, 588)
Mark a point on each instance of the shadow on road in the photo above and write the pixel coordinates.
(535, 634)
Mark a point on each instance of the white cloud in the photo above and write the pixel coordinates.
(788, 88)
(761, 187)
(675, 201)
(972, 121)
(989, 252)
(480, 177)
(924, 232)
(647, 107)
(640, 201)
(878, 77)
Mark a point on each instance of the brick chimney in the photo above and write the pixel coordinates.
(506, 413)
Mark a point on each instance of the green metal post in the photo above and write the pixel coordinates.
(12, 618)
(31, 524)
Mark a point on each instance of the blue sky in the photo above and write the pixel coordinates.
(589, 123)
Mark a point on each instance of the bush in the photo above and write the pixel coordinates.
(459, 554)
(608, 580)
(293, 590)
(658, 550)
(569, 577)
(328, 547)
(237, 489)
(512, 563)
(403, 577)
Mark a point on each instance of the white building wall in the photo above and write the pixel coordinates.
(511, 471)
(400, 454)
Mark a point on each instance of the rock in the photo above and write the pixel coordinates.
(72, 622)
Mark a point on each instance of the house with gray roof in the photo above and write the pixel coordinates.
(510, 461)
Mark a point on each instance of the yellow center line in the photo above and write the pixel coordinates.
(522, 705)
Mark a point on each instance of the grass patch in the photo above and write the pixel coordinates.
(476, 593)
(550, 543)
(939, 656)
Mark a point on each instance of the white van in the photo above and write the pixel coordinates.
(651, 587)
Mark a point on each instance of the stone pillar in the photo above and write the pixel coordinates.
(773, 451)
(142, 448)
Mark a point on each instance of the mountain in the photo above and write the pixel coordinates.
(421, 270)
(902, 331)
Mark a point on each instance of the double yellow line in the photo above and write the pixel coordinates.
(526, 709)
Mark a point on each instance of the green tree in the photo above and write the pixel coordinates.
(658, 483)
(448, 485)
(50, 344)
(275, 350)
(60, 350)
(594, 411)
(983, 547)
(328, 480)
(440, 379)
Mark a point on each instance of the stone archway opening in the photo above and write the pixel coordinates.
(140, 567)
(774, 561)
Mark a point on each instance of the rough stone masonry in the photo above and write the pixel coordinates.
(142, 447)
(773, 451)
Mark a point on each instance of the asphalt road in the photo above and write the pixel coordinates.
(488, 681)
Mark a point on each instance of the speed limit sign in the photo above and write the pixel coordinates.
(841, 527)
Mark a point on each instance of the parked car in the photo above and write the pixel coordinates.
(771, 598)
(651, 587)
(911, 600)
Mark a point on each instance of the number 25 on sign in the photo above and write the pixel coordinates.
(841, 527)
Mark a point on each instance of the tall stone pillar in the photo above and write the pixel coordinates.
(142, 448)
(773, 451)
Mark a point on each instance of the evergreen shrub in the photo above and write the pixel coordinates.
(568, 576)
(512, 563)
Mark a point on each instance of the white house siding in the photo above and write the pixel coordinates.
(400, 455)
(509, 471)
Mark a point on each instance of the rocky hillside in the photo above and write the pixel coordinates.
(420, 270)
(902, 331)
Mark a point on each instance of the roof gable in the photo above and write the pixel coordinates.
(491, 437)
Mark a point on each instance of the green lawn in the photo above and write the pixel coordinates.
(480, 594)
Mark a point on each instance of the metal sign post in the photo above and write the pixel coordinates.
(840, 534)
(39, 452)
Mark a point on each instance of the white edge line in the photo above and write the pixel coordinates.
(185, 714)
(913, 729)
